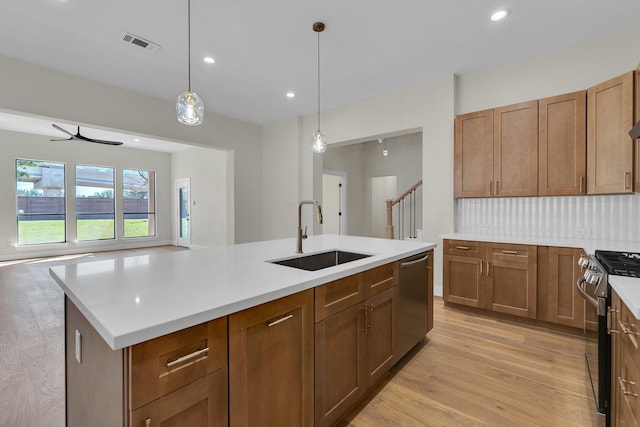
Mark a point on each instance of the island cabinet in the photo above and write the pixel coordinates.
(625, 364)
(355, 338)
(496, 276)
(496, 152)
(562, 145)
(636, 143)
(559, 301)
(610, 109)
(176, 378)
(271, 363)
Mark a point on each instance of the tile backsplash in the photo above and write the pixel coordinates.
(614, 217)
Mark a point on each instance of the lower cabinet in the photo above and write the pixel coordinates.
(625, 365)
(271, 363)
(496, 276)
(356, 346)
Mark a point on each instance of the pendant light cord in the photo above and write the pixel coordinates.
(189, 38)
(318, 81)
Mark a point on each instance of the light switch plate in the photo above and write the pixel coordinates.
(78, 346)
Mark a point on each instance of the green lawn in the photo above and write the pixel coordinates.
(34, 232)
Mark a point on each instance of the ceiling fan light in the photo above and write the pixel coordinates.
(318, 142)
(190, 108)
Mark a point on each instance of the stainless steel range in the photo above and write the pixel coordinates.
(594, 287)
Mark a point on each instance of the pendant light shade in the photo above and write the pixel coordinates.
(189, 106)
(318, 140)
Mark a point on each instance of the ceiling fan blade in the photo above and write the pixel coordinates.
(63, 130)
(66, 139)
(100, 141)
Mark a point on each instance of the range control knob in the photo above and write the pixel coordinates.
(583, 261)
(594, 277)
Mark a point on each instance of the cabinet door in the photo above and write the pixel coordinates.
(512, 279)
(381, 333)
(565, 305)
(271, 363)
(340, 369)
(616, 397)
(200, 403)
(464, 280)
(515, 149)
(609, 149)
(562, 145)
(473, 154)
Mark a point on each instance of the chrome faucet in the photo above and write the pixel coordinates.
(302, 235)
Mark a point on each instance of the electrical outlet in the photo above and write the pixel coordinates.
(78, 346)
(484, 227)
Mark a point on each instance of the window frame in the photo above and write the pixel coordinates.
(151, 194)
(114, 198)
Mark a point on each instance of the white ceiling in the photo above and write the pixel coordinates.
(264, 48)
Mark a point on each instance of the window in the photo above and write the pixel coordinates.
(95, 203)
(138, 193)
(40, 202)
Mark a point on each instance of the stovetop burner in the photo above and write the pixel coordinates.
(620, 263)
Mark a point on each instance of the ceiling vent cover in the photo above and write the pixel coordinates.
(140, 42)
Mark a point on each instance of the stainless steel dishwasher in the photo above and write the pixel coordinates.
(413, 304)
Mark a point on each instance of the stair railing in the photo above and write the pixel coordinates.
(400, 201)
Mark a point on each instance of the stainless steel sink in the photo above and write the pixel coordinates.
(321, 260)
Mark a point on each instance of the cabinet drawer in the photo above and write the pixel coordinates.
(200, 403)
(335, 296)
(379, 279)
(463, 248)
(164, 364)
(519, 251)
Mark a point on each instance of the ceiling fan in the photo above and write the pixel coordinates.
(80, 137)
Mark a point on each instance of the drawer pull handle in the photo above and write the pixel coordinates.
(623, 387)
(510, 252)
(625, 329)
(463, 248)
(186, 357)
(364, 320)
(147, 422)
(284, 319)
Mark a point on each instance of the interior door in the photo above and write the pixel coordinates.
(183, 202)
(333, 204)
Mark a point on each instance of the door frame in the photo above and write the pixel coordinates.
(181, 183)
(342, 223)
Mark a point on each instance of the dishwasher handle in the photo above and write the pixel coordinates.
(417, 261)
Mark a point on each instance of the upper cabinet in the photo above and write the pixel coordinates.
(515, 149)
(562, 145)
(609, 149)
(473, 148)
(496, 152)
(636, 143)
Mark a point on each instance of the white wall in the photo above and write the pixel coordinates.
(27, 88)
(210, 216)
(15, 145)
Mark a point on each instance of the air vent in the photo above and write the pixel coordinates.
(140, 42)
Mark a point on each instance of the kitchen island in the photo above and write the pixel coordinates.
(173, 309)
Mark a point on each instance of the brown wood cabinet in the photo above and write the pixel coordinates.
(511, 272)
(473, 152)
(354, 346)
(610, 114)
(271, 363)
(625, 366)
(463, 273)
(496, 276)
(496, 152)
(636, 143)
(562, 145)
(558, 272)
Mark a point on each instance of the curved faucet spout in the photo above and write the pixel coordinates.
(300, 234)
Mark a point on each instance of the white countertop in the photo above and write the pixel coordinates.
(131, 299)
(627, 288)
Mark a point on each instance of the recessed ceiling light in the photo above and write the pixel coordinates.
(136, 139)
(499, 14)
(209, 60)
(291, 95)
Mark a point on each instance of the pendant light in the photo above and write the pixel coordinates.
(189, 106)
(318, 140)
(385, 152)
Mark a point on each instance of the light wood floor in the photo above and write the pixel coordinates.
(473, 370)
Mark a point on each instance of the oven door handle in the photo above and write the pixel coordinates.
(591, 300)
